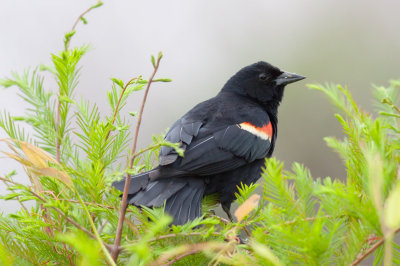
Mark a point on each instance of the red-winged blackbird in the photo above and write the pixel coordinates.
(226, 140)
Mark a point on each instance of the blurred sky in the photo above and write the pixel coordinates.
(354, 43)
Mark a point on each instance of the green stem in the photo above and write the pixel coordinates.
(388, 250)
(96, 233)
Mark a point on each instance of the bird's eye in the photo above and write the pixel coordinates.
(262, 76)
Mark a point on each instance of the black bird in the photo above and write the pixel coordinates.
(226, 140)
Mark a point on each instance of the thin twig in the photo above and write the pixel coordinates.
(139, 121)
(5, 180)
(172, 236)
(223, 220)
(89, 203)
(68, 255)
(58, 137)
(9, 181)
(146, 150)
(80, 17)
(308, 219)
(247, 231)
(118, 103)
(124, 201)
(188, 250)
(361, 257)
(58, 145)
(177, 235)
(77, 21)
(191, 252)
(103, 247)
(64, 245)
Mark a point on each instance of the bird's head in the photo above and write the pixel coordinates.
(262, 82)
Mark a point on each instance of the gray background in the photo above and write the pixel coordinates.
(355, 43)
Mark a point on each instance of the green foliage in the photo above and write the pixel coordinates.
(69, 211)
(244, 192)
(88, 248)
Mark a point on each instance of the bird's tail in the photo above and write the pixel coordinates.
(183, 195)
(138, 182)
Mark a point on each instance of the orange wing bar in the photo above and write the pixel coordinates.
(264, 132)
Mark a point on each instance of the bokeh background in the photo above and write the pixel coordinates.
(355, 43)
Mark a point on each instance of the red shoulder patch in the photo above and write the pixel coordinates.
(264, 132)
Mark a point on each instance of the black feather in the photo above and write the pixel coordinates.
(182, 131)
(172, 187)
(138, 182)
(195, 206)
(189, 197)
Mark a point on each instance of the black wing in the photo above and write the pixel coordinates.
(182, 131)
(212, 148)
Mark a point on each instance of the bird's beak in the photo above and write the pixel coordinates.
(287, 77)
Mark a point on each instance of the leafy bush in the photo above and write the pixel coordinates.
(74, 156)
